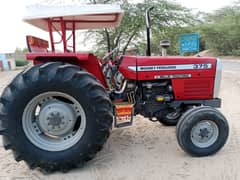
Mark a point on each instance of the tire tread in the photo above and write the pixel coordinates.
(54, 71)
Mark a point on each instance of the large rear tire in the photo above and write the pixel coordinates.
(55, 116)
(202, 131)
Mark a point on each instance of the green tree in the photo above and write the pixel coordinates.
(165, 16)
(21, 51)
(220, 30)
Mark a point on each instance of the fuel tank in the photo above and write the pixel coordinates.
(191, 77)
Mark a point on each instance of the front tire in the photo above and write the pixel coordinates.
(202, 131)
(55, 116)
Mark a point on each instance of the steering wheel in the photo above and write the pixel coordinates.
(108, 56)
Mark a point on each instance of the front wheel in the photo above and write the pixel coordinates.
(202, 131)
(55, 116)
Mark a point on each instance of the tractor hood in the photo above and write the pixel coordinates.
(191, 77)
(150, 68)
(85, 16)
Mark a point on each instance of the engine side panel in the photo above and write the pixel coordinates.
(193, 88)
(150, 68)
(191, 77)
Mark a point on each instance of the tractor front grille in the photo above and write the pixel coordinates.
(197, 88)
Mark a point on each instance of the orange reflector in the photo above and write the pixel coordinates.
(37, 42)
(124, 110)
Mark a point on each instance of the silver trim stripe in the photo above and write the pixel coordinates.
(172, 76)
(218, 77)
(171, 67)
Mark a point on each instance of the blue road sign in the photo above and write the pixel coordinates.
(189, 43)
(4, 62)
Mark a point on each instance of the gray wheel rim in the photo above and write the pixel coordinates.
(48, 121)
(204, 134)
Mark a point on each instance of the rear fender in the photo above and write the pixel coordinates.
(87, 61)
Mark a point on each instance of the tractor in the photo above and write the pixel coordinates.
(57, 114)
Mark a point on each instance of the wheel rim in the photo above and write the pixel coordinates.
(204, 133)
(54, 121)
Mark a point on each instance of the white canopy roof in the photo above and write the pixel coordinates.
(85, 16)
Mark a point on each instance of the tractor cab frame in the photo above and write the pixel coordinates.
(64, 22)
(71, 18)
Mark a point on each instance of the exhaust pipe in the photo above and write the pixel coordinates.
(148, 29)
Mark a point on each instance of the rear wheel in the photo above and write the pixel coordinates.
(54, 121)
(55, 116)
(202, 131)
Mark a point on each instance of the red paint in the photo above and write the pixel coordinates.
(62, 33)
(193, 88)
(87, 61)
(74, 36)
(63, 27)
(51, 34)
(199, 86)
(128, 61)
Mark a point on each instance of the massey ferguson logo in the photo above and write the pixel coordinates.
(171, 67)
(155, 68)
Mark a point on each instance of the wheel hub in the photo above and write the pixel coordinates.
(49, 121)
(56, 118)
(204, 134)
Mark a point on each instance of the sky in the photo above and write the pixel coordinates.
(13, 30)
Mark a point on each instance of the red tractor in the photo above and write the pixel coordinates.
(58, 114)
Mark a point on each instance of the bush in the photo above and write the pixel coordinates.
(21, 62)
(220, 30)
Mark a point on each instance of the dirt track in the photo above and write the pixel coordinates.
(149, 150)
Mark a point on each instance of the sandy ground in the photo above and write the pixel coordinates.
(149, 151)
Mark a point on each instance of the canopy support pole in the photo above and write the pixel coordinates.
(63, 27)
(51, 34)
(74, 37)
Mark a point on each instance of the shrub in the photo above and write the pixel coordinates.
(21, 62)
